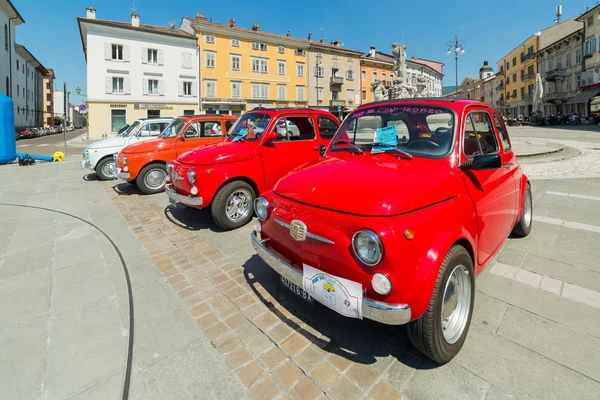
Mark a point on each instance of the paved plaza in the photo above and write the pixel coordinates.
(211, 320)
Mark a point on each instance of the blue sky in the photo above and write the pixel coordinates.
(490, 29)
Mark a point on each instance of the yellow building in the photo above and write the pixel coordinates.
(516, 77)
(241, 69)
(374, 66)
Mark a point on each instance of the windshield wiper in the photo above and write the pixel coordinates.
(349, 143)
(398, 152)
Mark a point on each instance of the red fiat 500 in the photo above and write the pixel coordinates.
(394, 223)
(262, 146)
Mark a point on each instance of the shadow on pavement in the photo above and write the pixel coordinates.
(190, 218)
(357, 341)
(92, 176)
(126, 189)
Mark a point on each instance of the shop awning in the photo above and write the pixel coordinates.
(584, 96)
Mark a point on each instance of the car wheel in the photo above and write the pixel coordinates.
(523, 227)
(442, 329)
(233, 205)
(151, 178)
(105, 168)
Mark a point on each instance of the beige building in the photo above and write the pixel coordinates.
(334, 77)
(588, 82)
(48, 85)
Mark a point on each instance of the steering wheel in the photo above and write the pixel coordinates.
(422, 141)
(441, 131)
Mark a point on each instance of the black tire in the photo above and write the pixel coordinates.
(101, 169)
(523, 227)
(145, 185)
(426, 333)
(219, 205)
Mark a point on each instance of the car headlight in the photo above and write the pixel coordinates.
(368, 247)
(124, 160)
(191, 175)
(169, 167)
(260, 207)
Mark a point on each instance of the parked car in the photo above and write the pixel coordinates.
(123, 129)
(402, 227)
(227, 176)
(144, 164)
(99, 155)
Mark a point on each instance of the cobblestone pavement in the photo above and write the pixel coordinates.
(213, 321)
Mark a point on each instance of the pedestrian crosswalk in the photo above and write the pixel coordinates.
(36, 145)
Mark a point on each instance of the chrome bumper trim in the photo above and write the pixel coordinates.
(390, 314)
(187, 200)
(124, 175)
(308, 234)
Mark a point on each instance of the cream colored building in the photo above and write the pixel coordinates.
(137, 71)
(334, 77)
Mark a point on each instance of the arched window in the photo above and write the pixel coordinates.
(5, 37)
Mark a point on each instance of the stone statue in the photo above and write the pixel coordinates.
(422, 86)
(399, 54)
(379, 90)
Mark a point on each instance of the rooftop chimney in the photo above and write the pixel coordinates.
(200, 17)
(135, 20)
(90, 13)
(232, 22)
(335, 43)
(322, 40)
(372, 52)
(256, 27)
(289, 34)
(310, 37)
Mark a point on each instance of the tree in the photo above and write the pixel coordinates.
(84, 119)
(59, 121)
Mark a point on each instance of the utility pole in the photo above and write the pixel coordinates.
(65, 118)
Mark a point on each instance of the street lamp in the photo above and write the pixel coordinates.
(458, 47)
(78, 90)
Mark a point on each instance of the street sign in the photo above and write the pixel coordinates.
(339, 108)
(83, 107)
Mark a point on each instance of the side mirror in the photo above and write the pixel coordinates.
(322, 149)
(483, 162)
(272, 136)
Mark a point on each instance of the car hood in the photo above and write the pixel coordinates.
(220, 153)
(112, 142)
(370, 186)
(148, 146)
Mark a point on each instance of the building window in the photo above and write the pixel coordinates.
(559, 62)
(577, 55)
(334, 56)
(117, 119)
(578, 79)
(152, 86)
(300, 93)
(260, 90)
(319, 94)
(350, 74)
(153, 114)
(187, 88)
(514, 61)
(117, 52)
(508, 80)
(260, 65)
(235, 42)
(364, 95)
(236, 62)
(236, 90)
(281, 50)
(591, 20)
(364, 75)
(210, 39)
(152, 56)
(300, 69)
(210, 88)
(186, 60)
(350, 96)
(281, 67)
(514, 77)
(299, 52)
(188, 113)
(568, 80)
(507, 66)
(568, 59)
(375, 76)
(255, 46)
(210, 59)
(281, 92)
(264, 47)
(319, 71)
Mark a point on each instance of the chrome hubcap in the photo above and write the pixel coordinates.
(108, 168)
(238, 205)
(528, 209)
(456, 304)
(155, 178)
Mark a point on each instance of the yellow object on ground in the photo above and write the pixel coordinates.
(58, 156)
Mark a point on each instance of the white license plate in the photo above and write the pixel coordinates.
(297, 290)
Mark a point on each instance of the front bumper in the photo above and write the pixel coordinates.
(180, 198)
(389, 314)
(120, 175)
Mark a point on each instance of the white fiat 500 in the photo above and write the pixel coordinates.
(99, 156)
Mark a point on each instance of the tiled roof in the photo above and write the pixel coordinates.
(143, 27)
(273, 35)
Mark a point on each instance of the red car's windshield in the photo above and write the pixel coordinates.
(250, 126)
(425, 131)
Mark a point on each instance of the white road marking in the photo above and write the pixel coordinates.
(567, 224)
(24, 145)
(556, 286)
(43, 145)
(576, 196)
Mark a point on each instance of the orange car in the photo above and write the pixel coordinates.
(144, 163)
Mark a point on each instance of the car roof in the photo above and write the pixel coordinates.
(210, 116)
(291, 110)
(441, 101)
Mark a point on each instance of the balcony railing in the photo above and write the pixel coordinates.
(526, 57)
(553, 97)
(557, 73)
(337, 103)
(336, 80)
(588, 54)
(529, 76)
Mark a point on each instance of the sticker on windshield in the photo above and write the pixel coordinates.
(385, 139)
(241, 134)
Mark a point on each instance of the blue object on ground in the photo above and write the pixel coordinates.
(8, 143)
(36, 156)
